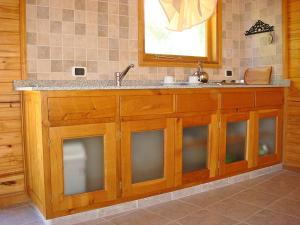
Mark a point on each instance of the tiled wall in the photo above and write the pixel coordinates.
(255, 50)
(102, 35)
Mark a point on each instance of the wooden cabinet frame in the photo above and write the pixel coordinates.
(166, 109)
(147, 187)
(212, 155)
(57, 135)
(232, 168)
(267, 159)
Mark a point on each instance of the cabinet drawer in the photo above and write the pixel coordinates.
(146, 105)
(80, 108)
(269, 98)
(237, 100)
(11, 184)
(197, 102)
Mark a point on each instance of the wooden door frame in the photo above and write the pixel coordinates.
(57, 134)
(240, 166)
(152, 186)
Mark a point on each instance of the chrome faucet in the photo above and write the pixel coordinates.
(120, 75)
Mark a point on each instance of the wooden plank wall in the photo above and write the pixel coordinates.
(12, 52)
(292, 70)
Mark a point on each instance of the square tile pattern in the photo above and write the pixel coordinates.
(272, 199)
(103, 36)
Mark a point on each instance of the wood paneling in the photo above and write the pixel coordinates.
(11, 159)
(292, 68)
(11, 184)
(12, 54)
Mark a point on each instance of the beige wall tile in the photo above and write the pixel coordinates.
(106, 32)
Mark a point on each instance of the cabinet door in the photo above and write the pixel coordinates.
(235, 141)
(83, 165)
(147, 156)
(268, 132)
(195, 149)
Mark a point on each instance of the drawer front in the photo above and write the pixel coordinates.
(11, 159)
(81, 108)
(237, 100)
(146, 105)
(269, 98)
(11, 184)
(196, 103)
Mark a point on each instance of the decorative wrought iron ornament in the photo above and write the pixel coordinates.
(259, 27)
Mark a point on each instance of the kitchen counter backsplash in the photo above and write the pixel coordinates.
(103, 36)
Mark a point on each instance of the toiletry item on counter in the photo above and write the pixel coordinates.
(169, 79)
(193, 79)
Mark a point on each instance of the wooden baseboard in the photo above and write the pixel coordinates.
(292, 168)
(9, 200)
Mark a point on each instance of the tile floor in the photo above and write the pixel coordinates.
(272, 199)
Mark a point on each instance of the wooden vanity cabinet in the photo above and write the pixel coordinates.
(234, 146)
(196, 148)
(124, 144)
(268, 128)
(147, 156)
(235, 131)
(196, 152)
(83, 165)
(267, 142)
(147, 143)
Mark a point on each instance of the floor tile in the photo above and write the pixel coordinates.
(267, 217)
(287, 179)
(234, 209)
(294, 195)
(229, 190)
(275, 188)
(96, 222)
(287, 206)
(255, 181)
(173, 210)
(256, 198)
(20, 215)
(140, 217)
(204, 199)
(204, 217)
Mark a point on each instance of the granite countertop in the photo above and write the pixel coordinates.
(63, 85)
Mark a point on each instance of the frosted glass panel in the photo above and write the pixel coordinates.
(236, 141)
(194, 149)
(83, 165)
(267, 136)
(147, 155)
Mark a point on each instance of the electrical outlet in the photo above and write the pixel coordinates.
(228, 73)
(79, 71)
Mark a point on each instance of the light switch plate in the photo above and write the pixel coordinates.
(79, 71)
(228, 73)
